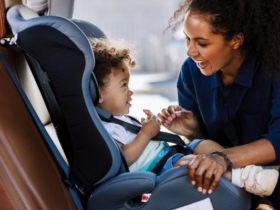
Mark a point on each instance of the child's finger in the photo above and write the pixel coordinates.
(148, 112)
(142, 119)
(185, 160)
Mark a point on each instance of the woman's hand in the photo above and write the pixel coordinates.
(179, 120)
(204, 170)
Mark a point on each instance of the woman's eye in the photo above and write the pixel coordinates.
(202, 44)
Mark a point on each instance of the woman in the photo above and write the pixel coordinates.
(229, 87)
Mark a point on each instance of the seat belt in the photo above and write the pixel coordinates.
(179, 147)
(161, 136)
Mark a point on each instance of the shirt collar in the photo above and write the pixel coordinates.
(244, 77)
(246, 73)
(216, 81)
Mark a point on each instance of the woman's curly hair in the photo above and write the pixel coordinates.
(109, 55)
(258, 20)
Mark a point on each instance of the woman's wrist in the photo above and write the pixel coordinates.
(226, 159)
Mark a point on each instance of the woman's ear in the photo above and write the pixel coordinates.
(237, 41)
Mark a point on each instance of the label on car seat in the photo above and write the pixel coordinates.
(199, 205)
(145, 197)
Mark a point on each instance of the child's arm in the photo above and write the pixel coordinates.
(150, 128)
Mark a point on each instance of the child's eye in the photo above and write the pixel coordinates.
(187, 40)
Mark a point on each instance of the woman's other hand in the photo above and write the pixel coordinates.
(179, 120)
(204, 170)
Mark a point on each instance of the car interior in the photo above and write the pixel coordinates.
(54, 151)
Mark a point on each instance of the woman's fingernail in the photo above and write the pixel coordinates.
(199, 189)
(210, 191)
(204, 191)
(193, 182)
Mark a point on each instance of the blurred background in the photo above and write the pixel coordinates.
(158, 53)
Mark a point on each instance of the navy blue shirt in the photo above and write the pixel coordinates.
(236, 114)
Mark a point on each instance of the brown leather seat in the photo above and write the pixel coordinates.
(29, 175)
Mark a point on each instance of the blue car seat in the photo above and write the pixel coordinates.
(60, 49)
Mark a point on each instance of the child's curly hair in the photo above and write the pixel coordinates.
(109, 55)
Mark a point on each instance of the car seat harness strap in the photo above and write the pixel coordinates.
(161, 136)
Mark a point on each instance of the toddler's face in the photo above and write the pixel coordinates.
(115, 96)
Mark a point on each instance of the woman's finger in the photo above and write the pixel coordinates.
(173, 109)
(218, 173)
(204, 164)
(164, 114)
(208, 178)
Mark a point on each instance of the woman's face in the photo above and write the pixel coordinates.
(209, 50)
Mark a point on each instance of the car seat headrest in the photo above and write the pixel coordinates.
(91, 30)
(18, 20)
(17, 16)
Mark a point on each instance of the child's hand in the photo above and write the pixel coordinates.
(150, 124)
(186, 160)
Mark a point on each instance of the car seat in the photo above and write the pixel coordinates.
(98, 170)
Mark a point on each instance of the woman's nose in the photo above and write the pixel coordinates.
(191, 50)
(130, 92)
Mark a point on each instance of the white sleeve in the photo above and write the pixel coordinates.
(118, 133)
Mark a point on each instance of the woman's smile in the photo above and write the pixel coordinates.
(202, 64)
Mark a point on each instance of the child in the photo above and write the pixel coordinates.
(112, 67)
(113, 63)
